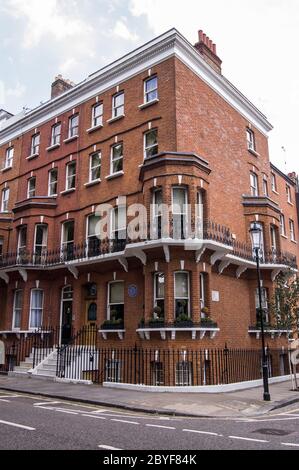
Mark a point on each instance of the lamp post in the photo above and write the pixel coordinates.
(256, 238)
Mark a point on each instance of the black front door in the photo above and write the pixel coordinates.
(67, 314)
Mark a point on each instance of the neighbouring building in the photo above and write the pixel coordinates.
(161, 125)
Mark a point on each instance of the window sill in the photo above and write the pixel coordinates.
(115, 175)
(116, 118)
(294, 241)
(5, 212)
(290, 203)
(275, 192)
(92, 183)
(284, 236)
(67, 191)
(149, 103)
(6, 168)
(52, 147)
(70, 139)
(32, 156)
(253, 152)
(95, 128)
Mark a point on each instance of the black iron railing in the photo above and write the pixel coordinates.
(167, 367)
(94, 248)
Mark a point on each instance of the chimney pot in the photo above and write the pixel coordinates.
(203, 46)
(200, 35)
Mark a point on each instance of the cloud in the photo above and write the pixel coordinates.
(46, 18)
(121, 30)
(18, 91)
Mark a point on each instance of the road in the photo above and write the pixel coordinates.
(31, 422)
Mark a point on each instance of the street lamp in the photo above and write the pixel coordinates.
(256, 239)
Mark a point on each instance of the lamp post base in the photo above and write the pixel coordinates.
(267, 397)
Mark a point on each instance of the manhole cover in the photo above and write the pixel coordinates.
(273, 432)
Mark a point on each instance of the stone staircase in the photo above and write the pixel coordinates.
(45, 369)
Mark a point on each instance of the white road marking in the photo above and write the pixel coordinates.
(6, 401)
(47, 403)
(247, 439)
(203, 432)
(100, 411)
(289, 444)
(93, 416)
(159, 426)
(9, 396)
(68, 412)
(124, 421)
(16, 425)
(108, 447)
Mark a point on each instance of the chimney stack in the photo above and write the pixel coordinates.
(207, 49)
(60, 85)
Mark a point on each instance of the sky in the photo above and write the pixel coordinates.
(256, 41)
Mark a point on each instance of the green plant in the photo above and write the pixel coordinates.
(183, 318)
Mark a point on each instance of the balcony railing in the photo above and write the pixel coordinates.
(94, 248)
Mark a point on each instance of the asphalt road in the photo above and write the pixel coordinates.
(32, 423)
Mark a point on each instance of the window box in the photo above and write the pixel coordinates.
(116, 118)
(31, 157)
(208, 323)
(183, 321)
(156, 323)
(149, 103)
(70, 139)
(95, 128)
(53, 147)
(113, 325)
(115, 175)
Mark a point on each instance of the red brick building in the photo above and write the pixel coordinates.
(160, 125)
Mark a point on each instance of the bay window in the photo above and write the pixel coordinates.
(157, 213)
(179, 212)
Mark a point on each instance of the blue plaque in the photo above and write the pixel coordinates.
(132, 290)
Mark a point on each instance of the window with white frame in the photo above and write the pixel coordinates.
(254, 190)
(199, 214)
(292, 230)
(94, 166)
(179, 211)
(9, 157)
(265, 187)
(93, 235)
(52, 182)
(22, 240)
(17, 309)
(5, 200)
(183, 373)
(118, 105)
(159, 293)
(289, 194)
(56, 134)
(67, 239)
(36, 308)
(31, 187)
(73, 126)
(282, 225)
(157, 213)
(273, 239)
(40, 241)
(116, 158)
(116, 301)
(97, 115)
(118, 223)
(150, 89)
(150, 143)
(264, 294)
(70, 181)
(273, 183)
(35, 143)
(250, 139)
(181, 294)
(202, 293)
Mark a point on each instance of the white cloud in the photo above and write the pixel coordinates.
(2, 93)
(70, 64)
(46, 17)
(16, 91)
(121, 30)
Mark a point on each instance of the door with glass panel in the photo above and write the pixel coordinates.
(40, 243)
(179, 212)
(67, 241)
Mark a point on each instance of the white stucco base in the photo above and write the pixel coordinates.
(200, 388)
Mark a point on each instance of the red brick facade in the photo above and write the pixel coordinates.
(202, 147)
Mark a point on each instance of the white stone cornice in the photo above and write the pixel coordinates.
(169, 44)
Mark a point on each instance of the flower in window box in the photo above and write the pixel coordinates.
(183, 320)
(157, 312)
(205, 311)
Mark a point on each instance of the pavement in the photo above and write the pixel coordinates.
(243, 403)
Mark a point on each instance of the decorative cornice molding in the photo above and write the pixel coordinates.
(169, 44)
